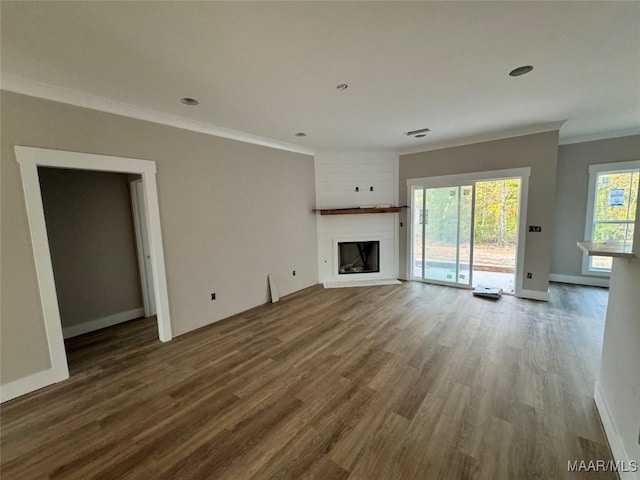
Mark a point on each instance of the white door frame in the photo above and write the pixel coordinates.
(142, 246)
(29, 160)
(465, 178)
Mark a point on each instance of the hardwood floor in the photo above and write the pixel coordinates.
(408, 381)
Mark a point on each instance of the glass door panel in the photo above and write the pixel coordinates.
(465, 245)
(441, 234)
(417, 242)
(447, 234)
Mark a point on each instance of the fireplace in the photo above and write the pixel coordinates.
(358, 257)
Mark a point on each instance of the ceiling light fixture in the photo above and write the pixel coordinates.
(516, 72)
(342, 86)
(192, 102)
(416, 132)
(301, 134)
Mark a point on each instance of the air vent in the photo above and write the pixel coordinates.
(416, 132)
(192, 102)
(516, 72)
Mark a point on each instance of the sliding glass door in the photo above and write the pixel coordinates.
(468, 229)
(442, 221)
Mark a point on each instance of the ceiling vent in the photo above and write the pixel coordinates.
(192, 102)
(417, 132)
(516, 72)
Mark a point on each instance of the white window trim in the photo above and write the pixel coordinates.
(594, 170)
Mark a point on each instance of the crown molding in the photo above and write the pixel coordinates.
(487, 137)
(357, 152)
(600, 136)
(33, 88)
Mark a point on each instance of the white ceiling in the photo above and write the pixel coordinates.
(270, 68)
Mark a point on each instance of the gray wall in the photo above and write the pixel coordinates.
(571, 194)
(92, 243)
(537, 151)
(231, 214)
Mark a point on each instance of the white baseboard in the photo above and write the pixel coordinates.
(30, 383)
(579, 280)
(104, 322)
(615, 442)
(533, 295)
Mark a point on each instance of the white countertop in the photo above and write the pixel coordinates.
(611, 248)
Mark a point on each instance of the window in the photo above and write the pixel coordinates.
(611, 209)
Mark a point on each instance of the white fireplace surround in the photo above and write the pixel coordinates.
(353, 179)
(385, 248)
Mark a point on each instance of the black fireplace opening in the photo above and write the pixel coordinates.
(358, 257)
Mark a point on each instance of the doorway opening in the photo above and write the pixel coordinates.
(29, 159)
(468, 230)
(94, 248)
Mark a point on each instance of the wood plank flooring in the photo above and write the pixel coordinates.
(408, 381)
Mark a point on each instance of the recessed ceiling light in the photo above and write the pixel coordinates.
(342, 86)
(301, 134)
(189, 101)
(416, 132)
(421, 135)
(516, 72)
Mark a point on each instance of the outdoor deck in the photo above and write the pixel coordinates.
(492, 265)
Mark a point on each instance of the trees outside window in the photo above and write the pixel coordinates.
(611, 209)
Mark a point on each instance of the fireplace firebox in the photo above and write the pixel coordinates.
(358, 257)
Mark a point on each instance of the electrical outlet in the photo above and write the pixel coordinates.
(213, 296)
(357, 189)
(529, 275)
(371, 189)
(294, 273)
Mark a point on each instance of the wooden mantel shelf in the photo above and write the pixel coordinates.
(355, 211)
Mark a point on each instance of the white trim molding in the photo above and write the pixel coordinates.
(579, 280)
(99, 323)
(459, 178)
(533, 295)
(599, 136)
(31, 383)
(613, 437)
(33, 88)
(486, 137)
(29, 160)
